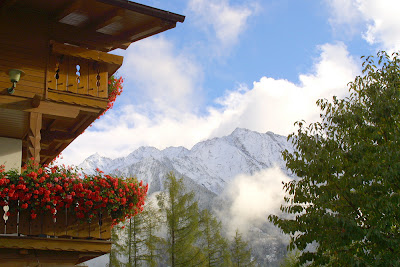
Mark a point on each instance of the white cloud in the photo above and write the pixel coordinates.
(161, 76)
(380, 18)
(224, 20)
(271, 105)
(274, 105)
(253, 198)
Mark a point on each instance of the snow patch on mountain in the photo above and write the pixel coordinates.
(212, 163)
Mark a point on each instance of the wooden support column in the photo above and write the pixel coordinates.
(35, 125)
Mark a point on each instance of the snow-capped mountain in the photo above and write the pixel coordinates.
(210, 164)
(208, 169)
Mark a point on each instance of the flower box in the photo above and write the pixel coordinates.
(57, 201)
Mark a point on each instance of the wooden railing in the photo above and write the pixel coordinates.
(79, 76)
(64, 225)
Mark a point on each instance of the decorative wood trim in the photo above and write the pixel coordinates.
(34, 137)
(36, 101)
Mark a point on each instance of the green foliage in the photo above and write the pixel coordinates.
(116, 248)
(240, 252)
(182, 218)
(347, 198)
(213, 244)
(291, 259)
(152, 223)
(136, 239)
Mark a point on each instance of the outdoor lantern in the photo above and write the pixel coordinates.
(15, 75)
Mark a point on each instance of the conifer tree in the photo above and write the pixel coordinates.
(151, 226)
(182, 216)
(240, 251)
(213, 244)
(141, 243)
(117, 249)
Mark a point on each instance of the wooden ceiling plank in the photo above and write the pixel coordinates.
(143, 9)
(105, 19)
(77, 36)
(126, 35)
(143, 35)
(66, 10)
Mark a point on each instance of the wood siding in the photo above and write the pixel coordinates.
(24, 46)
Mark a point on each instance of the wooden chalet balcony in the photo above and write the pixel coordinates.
(62, 47)
(79, 76)
(64, 240)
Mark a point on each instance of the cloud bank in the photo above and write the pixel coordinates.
(269, 105)
(380, 20)
(253, 198)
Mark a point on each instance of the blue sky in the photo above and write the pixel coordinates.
(256, 64)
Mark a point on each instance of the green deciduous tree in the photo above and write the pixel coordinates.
(213, 244)
(347, 198)
(182, 217)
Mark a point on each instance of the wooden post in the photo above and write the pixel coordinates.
(35, 125)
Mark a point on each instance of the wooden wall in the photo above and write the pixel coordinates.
(23, 45)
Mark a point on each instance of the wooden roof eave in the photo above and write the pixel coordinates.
(143, 9)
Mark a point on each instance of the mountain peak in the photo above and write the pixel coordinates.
(210, 163)
(240, 131)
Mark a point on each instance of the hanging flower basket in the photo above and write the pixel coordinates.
(57, 201)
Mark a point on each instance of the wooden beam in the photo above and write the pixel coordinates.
(86, 53)
(79, 130)
(59, 244)
(34, 137)
(36, 101)
(82, 122)
(63, 137)
(45, 107)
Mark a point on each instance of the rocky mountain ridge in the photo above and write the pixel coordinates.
(208, 169)
(211, 163)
